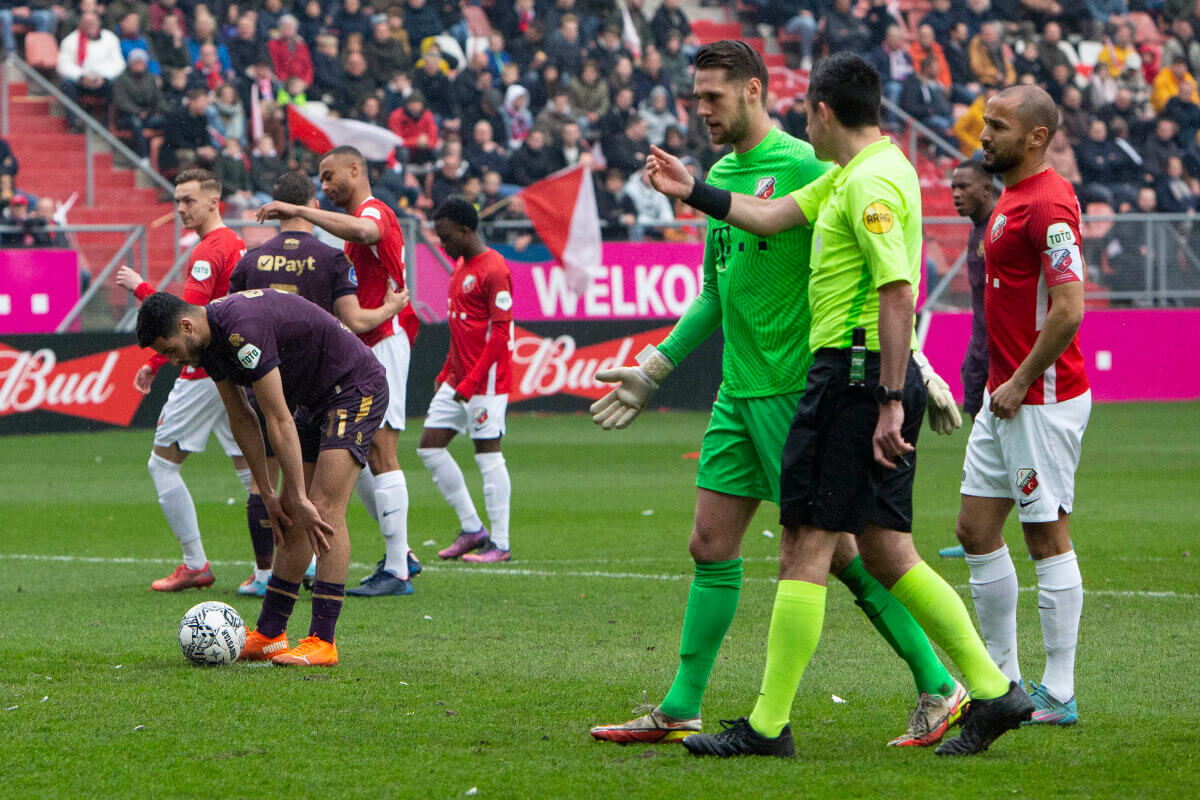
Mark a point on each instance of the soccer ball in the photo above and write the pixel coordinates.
(212, 633)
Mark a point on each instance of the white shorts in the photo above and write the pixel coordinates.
(483, 412)
(194, 410)
(1030, 459)
(394, 353)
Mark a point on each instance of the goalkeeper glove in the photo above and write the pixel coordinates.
(619, 407)
(944, 416)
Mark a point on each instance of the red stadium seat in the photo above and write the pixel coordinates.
(708, 31)
(41, 51)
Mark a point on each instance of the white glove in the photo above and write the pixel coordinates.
(619, 407)
(944, 416)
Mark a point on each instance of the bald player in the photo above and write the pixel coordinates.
(1025, 445)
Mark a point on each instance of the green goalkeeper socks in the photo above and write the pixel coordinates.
(711, 604)
(795, 630)
(941, 612)
(897, 626)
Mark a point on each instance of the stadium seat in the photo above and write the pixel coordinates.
(41, 51)
(708, 31)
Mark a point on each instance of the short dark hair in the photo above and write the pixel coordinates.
(849, 86)
(349, 152)
(208, 182)
(740, 61)
(293, 187)
(196, 92)
(458, 210)
(158, 317)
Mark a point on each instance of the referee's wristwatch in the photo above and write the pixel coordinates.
(885, 395)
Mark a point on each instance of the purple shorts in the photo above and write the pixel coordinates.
(347, 422)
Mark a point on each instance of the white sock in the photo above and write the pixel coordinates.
(994, 590)
(391, 500)
(366, 491)
(497, 491)
(177, 506)
(262, 574)
(1060, 604)
(245, 477)
(448, 478)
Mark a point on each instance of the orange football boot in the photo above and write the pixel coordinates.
(310, 652)
(184, 578)
(262, 648)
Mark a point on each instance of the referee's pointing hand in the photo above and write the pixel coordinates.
(887, 442)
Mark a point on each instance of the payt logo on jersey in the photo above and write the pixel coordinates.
(544, 366)
(765, 188)
(1027, 480)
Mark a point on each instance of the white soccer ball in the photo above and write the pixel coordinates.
(212, 633)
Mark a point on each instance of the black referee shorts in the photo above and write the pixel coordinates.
(830, 479)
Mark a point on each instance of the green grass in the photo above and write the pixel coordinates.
(491, 678)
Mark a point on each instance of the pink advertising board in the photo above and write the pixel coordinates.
(37, 289)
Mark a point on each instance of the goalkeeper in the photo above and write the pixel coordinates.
(756, 288)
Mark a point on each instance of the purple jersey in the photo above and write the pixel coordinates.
(254, 332)
(975, 277)
(298, 263)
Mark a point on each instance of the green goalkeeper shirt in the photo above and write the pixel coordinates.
(756, 288)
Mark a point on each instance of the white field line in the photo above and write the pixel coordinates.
(518, 571)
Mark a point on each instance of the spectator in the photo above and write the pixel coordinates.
(483, 154)
(312, 22)
(641, 26)
(969, 125)
(227, 115)
(542, 86)
(245, 48)
(1028, 62)
(39, 19)
(420, 21)
(570, 149)
(607, 49)
(554, 116)
(516, 101)
(469, 86)
(622, 78)
(565, 49)
(616, 211)
(497, 56)
(1061, 158)
(1174, 192)
(209, 68)
(627, 151)
(204, 31)
(327, 69)
(613, 123)
(1160, 148)
(356, 84)
(844, 30)
(588, 94)
(652, 208)
(265, 168)
(958, 57)
(233, 171)
(491, 110)
(658, 115)
(31, 230)
(447, 180)
(47, 210)
(268, 14)
(115, 12)
(1119, 52)
(941, 18)
(371, 112)
(130, 36)
(1097, 159)
(169, 45)
(1166, 84)
(926, 46)
(1075, 118)
(160, 10)
(532, 161)
(528, 48)
(385, 54)
(1102, 13)
(138, 102)
(186, 142)
(89, 60)
(650, 76)
(416, 127)
(1127, 249)
(289, 53)
(991, 58)
(1182, 46)
(1054, 52)
(668, 19)
(924, 98)
(677, 67)
(432, 82)
(492, 190)
(175, 90)
(1129, 165)
(8, 162)
(892, 62)
(1183, 110)
(1122, 106)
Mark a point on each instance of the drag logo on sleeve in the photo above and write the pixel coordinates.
(765, 188)
(201, 270)
(503, 301)
(878, 218)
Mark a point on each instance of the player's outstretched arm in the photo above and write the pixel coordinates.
(762, 217)
(358, 230)
(359, 319)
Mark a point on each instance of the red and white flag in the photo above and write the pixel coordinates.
(321, 134)
(562, 208)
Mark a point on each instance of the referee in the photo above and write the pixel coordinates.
(849, 461)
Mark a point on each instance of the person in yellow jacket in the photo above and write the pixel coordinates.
(1167, 82)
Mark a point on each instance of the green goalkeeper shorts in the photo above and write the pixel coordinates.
(744, 443)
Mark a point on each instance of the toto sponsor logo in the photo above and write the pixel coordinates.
(96, 387)
(550, 365)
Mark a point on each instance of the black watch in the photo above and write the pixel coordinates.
(885, 395)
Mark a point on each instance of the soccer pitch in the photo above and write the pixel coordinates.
(486, 681)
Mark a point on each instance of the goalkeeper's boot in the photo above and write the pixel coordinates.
(465, 543)
(252, 587)
(310, 652)
(262, 648)
(987, 720)
(738, 738)
(953, 552)
(382, 583)
(933, 716)
(184, 578)
(488, 554)
(1048, 711)
(310, 574)
(651, 727)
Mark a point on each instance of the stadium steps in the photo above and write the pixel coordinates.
(53, 162)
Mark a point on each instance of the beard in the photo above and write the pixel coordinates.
(1001, 162)
(738, 127)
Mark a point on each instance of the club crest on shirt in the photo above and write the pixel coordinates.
(878, 218)
(291, 244)
(1060, 259)
(1027, 480)
(235, 340)
(481, 417)
(468, 283)
(765, 188)
(998, 226)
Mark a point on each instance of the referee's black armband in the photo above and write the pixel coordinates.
(712, 201)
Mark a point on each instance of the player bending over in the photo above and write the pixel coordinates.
(756, 289)
(296, 261)
(473, 385)
(375, 246)
(1025, 444)
(849, 460)
(193, 409)
(293, 355)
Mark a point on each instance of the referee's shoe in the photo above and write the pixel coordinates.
(739, 739)
(986, 720)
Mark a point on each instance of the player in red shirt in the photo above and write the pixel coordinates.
(1025, 444)
(193, 409)
(473, 385)
(375, 246)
